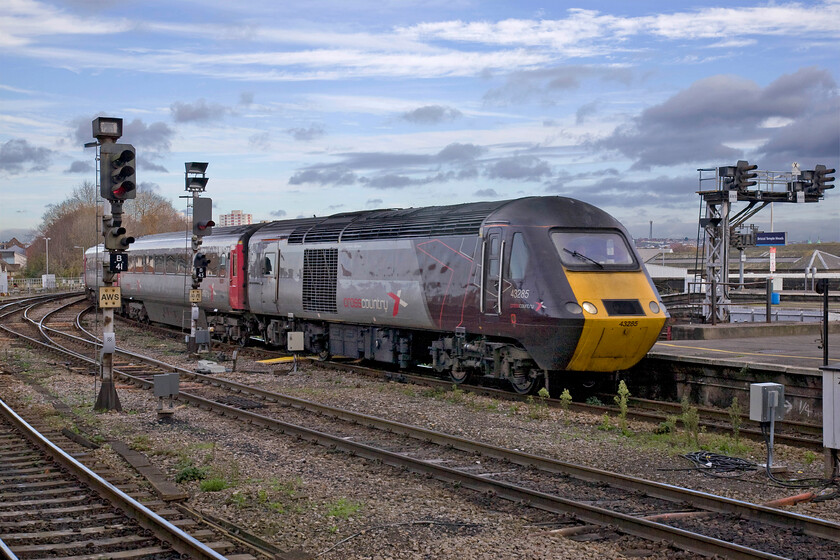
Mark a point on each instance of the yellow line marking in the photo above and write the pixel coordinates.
(736, 352)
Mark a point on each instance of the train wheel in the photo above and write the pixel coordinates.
(524, 384)
(459, 376)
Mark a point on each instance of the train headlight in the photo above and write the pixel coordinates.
(654, 307)
(590, 308)
(574, 308)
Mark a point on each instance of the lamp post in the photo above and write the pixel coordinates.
(83, 257)
(47, 240)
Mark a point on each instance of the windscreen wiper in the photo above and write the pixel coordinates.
(583, 257)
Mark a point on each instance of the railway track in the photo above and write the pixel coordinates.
(53, 505)
(794, 433)
(696, 521)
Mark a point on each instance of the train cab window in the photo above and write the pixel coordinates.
(493, 257)
(170, 264)
(268, 264)
(593, 249)
(518, 258)
(160, 267)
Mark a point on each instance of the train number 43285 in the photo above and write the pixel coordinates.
(629, 324)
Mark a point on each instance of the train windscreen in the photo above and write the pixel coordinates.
(593, 250)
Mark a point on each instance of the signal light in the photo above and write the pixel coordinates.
(203, 216)
(822, 178)
(117, 178)
(743, 175)
(116, 239)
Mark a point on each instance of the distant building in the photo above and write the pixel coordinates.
(13, 255)
(235, 218)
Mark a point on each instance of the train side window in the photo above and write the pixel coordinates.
(518, 258)
(268, 264)
(160, 266)
(170, 264)
(493, 260)
(213, 267)
(181, 261)
(232, 264)
(223, 262)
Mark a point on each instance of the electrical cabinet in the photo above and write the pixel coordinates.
(831, 406)
(767, 399)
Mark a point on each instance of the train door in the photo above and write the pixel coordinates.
(235, 266)
(491, 281)
(268, 268)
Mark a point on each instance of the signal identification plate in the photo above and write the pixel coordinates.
(110, 296)
(195, 296)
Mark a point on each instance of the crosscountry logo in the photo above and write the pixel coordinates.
(398, 302)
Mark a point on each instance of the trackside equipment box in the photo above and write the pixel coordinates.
(767, 399)
(831, 406)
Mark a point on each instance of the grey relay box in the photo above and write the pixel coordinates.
(767, 399)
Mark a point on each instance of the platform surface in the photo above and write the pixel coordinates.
(740, 347)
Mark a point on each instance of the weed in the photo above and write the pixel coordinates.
(594, 401)
(238, 499)
(537, 408)
(142, 443)
(513, 409)
(343, 508)
(605, 424)
(456, 395)
(621, 401)
(691, 420)
(213, 484)
(191, 472)
(810, 457)
(735, 417)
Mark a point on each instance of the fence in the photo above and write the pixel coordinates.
(34, 285)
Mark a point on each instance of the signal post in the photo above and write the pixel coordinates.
(117, 183)
(202, 222)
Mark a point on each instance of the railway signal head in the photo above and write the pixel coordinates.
(203, 216)
(117, 178)
(822, 179)
(744, 175)
(116, 239)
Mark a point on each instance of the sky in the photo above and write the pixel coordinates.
(320, 107)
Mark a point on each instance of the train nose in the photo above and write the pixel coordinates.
(617, 332)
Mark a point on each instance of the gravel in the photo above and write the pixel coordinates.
(303, 497)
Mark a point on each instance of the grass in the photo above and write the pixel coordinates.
(343, 508)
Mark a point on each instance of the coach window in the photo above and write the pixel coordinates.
(518, 258)
(160, 266)
(223, 264)
(170, 264)
(213, 267)
(181, 260)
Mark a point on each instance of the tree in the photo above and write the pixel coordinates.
(75, 223)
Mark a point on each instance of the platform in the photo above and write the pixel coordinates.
(713, 364)
(766, 346)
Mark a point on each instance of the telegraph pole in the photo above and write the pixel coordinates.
(117, 183)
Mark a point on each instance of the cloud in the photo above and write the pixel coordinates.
(330, 176)
(522, 168)
(703, 122)
(547, 84)
(373, 203)
(18, 155)
(306, 134)
(147, 186)
(432, 114)
(260, 141)
(277, 213)
(246, 98)
(200, 111)
(662, 191)
(147, 164)
(80, 167)
(585, 111)
(486, 193)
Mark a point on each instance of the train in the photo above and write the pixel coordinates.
(536, 291)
